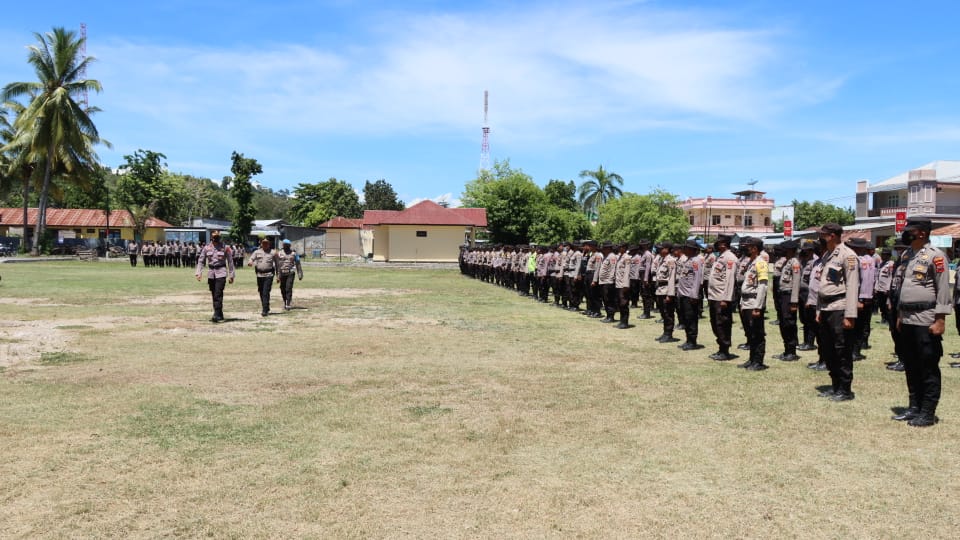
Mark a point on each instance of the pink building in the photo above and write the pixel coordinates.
(748, 214)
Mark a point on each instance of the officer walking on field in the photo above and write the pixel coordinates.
(924, 304)
(218, 259)
(839, 278)
(288, 262)
(266, 265)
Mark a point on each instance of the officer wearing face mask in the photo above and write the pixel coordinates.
(839, 280)
(923, 306)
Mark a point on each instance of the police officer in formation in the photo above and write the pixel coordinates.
(829, 287)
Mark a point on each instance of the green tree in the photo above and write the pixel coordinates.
(815, 214)
(512, 200)
(600, 187)
(655, 216)
(243, 170)
(316, 203)
(562, 194)
(142, 191)
(272, 205)
(552, 225)
(380, 195)
(54, 130)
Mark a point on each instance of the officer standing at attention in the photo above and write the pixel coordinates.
(924, 304)
(720, 296)
(753, 298)
(779, 259)
(218, 259)
(606, 280)
(621, 282)
(868, 277)
(788, 298)
(132, 253)
(839, 278)
(265, 263)
(288, 263)
(689, 283)
(646, 276)
(667, 291)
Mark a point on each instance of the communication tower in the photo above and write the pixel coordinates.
(83, 56)
(485, 143)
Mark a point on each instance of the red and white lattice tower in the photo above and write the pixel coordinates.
(83, 56)
(485, 143)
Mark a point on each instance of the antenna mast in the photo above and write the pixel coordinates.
(83, 56)
(485, 143)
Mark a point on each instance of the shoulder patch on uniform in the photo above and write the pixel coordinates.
(851, 263)
(730, 264)
(939, 264)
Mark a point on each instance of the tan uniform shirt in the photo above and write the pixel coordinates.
(720, 287)
(667, 276)
(839, 282)
(622, 271)
(790, 274)
(753, 292)
(925, 292)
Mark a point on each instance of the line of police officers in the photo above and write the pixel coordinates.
(829, 287)
(172, 253)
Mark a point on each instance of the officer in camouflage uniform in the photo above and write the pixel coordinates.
(288, 265)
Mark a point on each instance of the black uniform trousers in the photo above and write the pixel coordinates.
(922, 366)
(788, 323)
(264, 285)
(835, 349)
(216, 292)
(756, 334)
(862, 326)
(610, 302)
(286, 288)
(623, 303)
(811, 328)
(668, 311)
(689, 316)
(721, 322)
(647, 290)
(776, 305)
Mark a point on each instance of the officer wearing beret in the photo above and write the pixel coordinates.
(839, 278)
(924, 303)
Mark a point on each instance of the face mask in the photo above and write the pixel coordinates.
(823, 242)
(907, 237)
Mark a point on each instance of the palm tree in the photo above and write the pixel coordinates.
(600, 187)
(54, 131)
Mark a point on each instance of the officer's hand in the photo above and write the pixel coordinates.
(848, 323)
(898, 324)
(818, 318)
(198, 277)
(724, 304)
(793, 308)
(859, 305)
(300, 278)
(937, 327)
(229, 280)
(667, 299)
(278, 280)
(757, 313)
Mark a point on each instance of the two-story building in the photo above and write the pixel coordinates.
(748, 214)
(931, 190)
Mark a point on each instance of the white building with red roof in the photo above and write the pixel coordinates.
(425, 232)
(80, 223)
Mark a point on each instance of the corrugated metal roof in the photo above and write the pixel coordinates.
(945, 171)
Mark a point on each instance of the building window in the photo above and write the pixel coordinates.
(691, 219)
(715, 219)
(91, 231)
(748, 220)
(421, 234)
(914, 194)
(893, 200)
(766, 221)
(928, 193)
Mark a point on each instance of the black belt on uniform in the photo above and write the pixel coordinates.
(832, 299)
(918, 306)
(215, 266)
(748, 295)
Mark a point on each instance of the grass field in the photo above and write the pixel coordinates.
(421, 404)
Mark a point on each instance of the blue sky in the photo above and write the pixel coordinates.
(695, 97)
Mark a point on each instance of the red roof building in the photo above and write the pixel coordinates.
(79, 223)
(425, 232)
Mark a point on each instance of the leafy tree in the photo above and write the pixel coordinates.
(316, 203)
(806, 214)
(562, 194)
(600, 187)
(243, 170)
(511, 198)
(145, 183)
(552, 225)
(380, 196)
(272, 205)
(54, 131)
(655, 216)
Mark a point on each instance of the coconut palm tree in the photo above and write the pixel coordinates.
(600, 187)
(54, 131)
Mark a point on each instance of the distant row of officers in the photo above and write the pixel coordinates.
(173, 253)
(832, 287)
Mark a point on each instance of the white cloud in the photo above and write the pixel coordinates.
(558, 75)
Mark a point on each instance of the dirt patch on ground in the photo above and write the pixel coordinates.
(39, 302)
(25, 341)
(247, 294)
